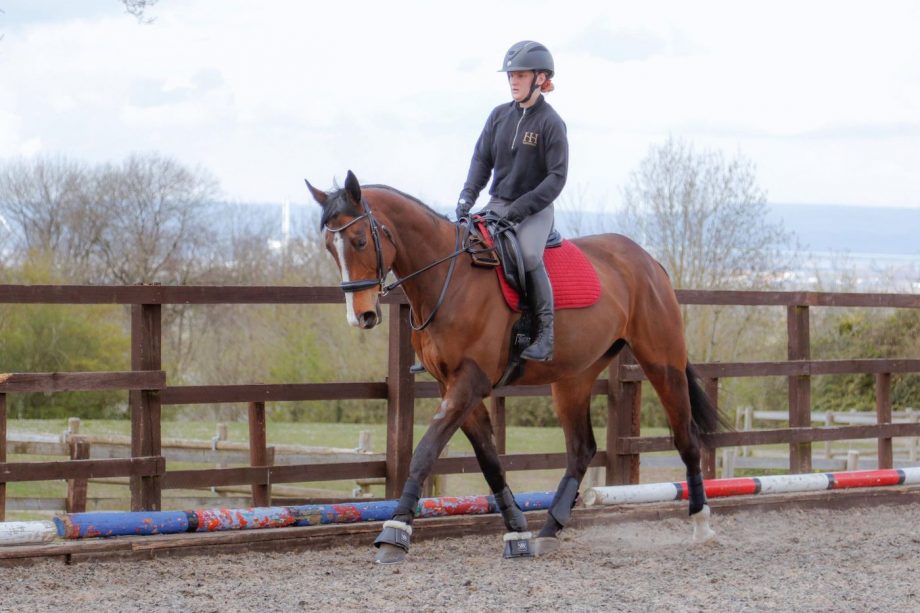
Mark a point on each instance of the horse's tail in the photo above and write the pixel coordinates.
(705, 414)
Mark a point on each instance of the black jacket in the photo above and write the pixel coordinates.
(528, 151)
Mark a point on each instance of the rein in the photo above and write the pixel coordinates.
(380, 281)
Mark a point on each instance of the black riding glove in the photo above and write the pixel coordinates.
(463, 209)
(514, 215)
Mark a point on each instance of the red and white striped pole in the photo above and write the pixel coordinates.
(747, 486)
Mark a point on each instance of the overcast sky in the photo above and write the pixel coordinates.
(823, 96)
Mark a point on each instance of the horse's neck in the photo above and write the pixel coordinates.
(421, 241)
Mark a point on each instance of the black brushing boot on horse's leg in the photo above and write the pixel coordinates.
(540, 293)
(517, 540)
(393, 542)
(560, 512)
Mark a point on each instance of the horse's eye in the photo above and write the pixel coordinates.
(359, 243)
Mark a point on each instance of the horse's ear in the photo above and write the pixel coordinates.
(318, 194)
(352, 187)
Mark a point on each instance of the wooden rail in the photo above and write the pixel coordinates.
(148, 391)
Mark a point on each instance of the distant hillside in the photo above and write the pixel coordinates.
(853, 229)
(820, 228)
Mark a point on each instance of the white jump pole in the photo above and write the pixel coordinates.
(746, 486)
(27, 532)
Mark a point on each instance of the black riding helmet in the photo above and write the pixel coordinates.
(528, 55)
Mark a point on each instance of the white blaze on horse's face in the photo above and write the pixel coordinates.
(339, 243)
(357, 261)
(352, 240)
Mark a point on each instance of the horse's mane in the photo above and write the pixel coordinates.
(339, 203)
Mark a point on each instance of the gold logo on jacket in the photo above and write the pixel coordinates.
(530, 138)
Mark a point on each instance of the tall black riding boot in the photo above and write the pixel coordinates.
(541, 301)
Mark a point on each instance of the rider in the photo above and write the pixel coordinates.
(525, 150)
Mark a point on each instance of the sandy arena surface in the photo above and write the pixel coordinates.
(816, 560)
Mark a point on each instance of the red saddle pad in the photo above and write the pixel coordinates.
(574, 280)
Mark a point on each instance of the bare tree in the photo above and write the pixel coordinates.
(47, 205)
(579, 215)
(705, 219)
(156, 228)
(138, 8)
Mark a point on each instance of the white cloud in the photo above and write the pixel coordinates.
(825, 97)
(30, 147)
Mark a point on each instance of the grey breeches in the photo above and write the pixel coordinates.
(531, 233)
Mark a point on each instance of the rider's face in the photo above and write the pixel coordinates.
(520, 82)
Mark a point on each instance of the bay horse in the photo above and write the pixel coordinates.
(462, 336)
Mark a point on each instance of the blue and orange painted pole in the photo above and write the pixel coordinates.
(103, 524)
(86, 525)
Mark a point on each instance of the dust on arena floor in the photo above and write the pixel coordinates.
(788, 557)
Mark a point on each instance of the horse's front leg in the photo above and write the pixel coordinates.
(478, 429)
(464, 390)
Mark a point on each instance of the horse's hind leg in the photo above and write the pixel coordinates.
(673, 388)
(478, 429)
(572, 400)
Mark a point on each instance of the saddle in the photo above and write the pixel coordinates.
(573, 277)
(494, 244)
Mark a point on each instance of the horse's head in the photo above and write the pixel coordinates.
(354, 237)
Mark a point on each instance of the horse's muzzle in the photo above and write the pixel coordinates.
(367, 320)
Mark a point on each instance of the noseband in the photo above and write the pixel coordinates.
(380, 281)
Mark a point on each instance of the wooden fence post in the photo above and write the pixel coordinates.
(853, 460)
(624, 400)
(883, 414)
(145, 404)
(497, 411)
(365, 444)
(400, 400)
(913, 443)
(708, 454)
(76, 488)
(2, 454)
(73, 426)
(799, 346)
(748, 426)
(258, 452)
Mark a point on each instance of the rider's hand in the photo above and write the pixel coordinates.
(514, 216)
(463, 210)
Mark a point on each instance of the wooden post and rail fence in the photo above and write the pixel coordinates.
(148, 392)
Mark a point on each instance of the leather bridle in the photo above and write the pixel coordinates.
(381, 273)
(357, 286)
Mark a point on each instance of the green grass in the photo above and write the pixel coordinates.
(519, 440)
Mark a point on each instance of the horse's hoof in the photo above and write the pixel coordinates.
(543, 545)
(702, 533)
(389, 554)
